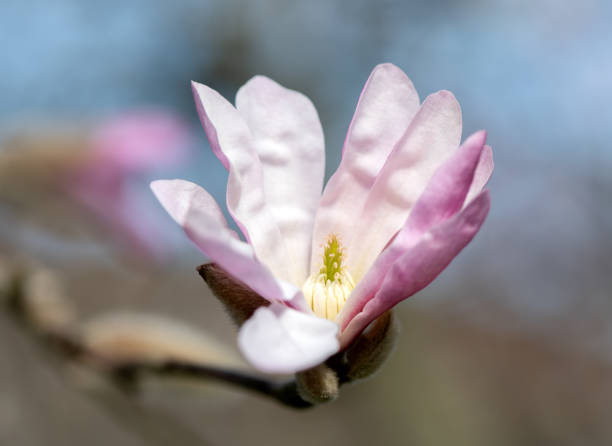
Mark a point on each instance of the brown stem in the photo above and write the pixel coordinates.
(284, 392)
(127, 374)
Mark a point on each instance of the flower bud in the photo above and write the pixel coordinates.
(119, 337)
(238, 299)
(319, 384)
(371, 348)
(45, 303)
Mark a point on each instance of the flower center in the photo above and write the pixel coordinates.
(327, 291)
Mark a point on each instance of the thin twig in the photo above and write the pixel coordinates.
(283, 392)
(128, 374)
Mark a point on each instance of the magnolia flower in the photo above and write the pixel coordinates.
(120, 149)
(403, 203)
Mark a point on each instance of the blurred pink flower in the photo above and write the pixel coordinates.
(120, 149)
(140, 140)
(403, 203)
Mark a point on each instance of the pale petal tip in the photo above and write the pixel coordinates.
(195, 85)
(445, 99)
(482, 133)
(478, 138)
(387, 66)
(171, 195)
(444, 94)
(260, 85)
(260, 78)
(202, 91)
(392, 72)
(257, 85)
(158, 187)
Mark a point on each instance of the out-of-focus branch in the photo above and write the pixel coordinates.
(66, 340)
(284, 392)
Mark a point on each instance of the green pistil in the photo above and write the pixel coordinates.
(332, 258)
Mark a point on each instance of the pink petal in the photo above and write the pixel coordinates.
(482, 174)
(104, 191)
(386, 106)
(288, 139)
(421, 264)
(200, 217)
(233, 143)
(443, 197)
(141, 139)
(447, 190)
(434, 133)
(278, 339)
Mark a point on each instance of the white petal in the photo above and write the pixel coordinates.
(200, 217)
(386, 107)
(433, 135)
(278, 339)
(232, 142)
(442, 199)
(288, 139)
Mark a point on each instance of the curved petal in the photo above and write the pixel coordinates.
(288, 139)
(434, 133)
(200, 217)
(447, 190)
(387, 104)
(421, 264)
(232, 142)
(442, 198)
(482, 174)
(278, 339)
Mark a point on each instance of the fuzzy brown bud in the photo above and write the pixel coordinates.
(238, 299)
(317, 385)
(371, 348)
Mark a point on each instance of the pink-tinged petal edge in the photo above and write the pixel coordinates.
(431, 138)
(441, 199)
(277, 339)
(447, 190)
(232, 141)
(421, 264)
(200, 217)
(386, 106)
(288, 139)
(482, 174)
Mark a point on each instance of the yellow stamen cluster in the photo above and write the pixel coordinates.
(332, 258)
(327, 291)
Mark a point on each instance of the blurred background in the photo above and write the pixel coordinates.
(512, 344)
